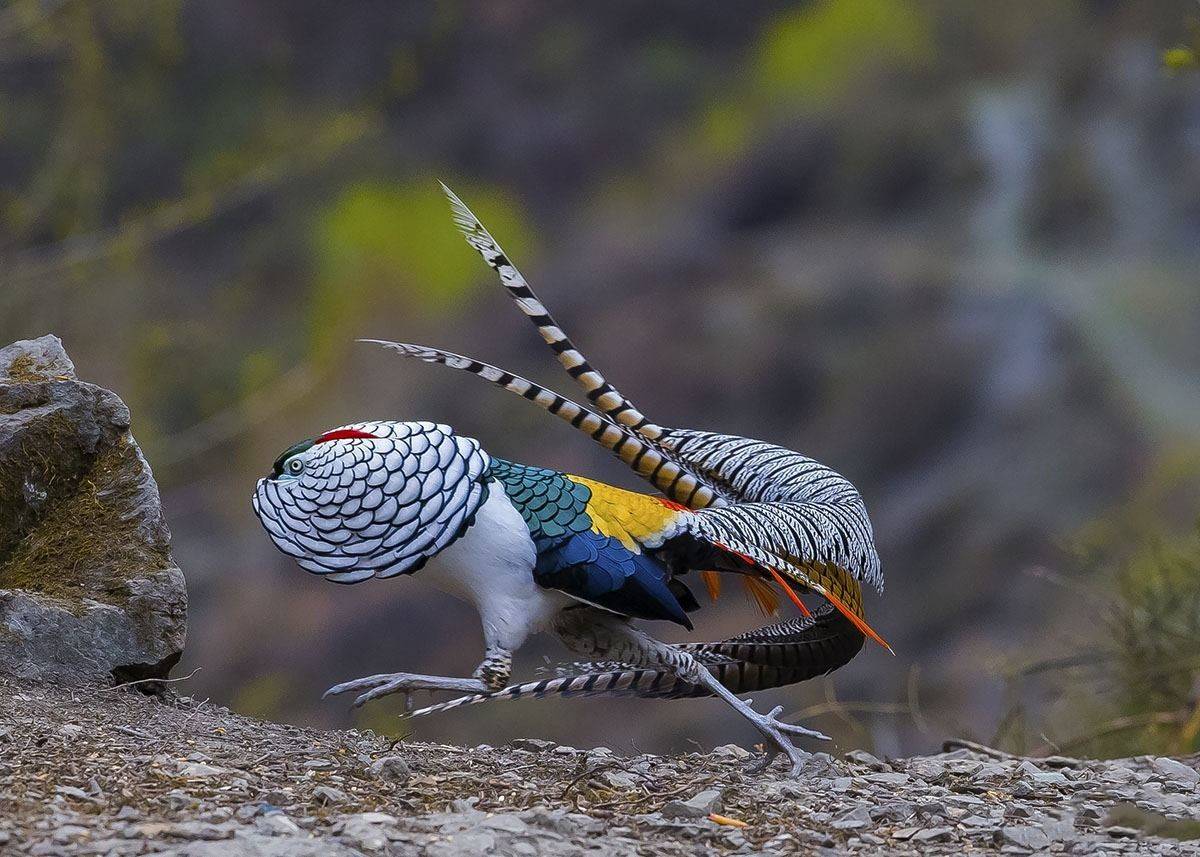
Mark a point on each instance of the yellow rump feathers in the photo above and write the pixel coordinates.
(635, 520)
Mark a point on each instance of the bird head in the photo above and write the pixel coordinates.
(371, 499)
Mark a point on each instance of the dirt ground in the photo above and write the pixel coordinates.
(110, 771)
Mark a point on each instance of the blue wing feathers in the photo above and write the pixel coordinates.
(574, 559)
(600, 570)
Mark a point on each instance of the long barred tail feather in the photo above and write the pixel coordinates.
(779, 654)
(598, 390)
(643, 456)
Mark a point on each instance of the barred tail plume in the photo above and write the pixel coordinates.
(777, 655)
(598, 390)
(643, 456)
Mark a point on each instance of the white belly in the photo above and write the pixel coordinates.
(491, 567)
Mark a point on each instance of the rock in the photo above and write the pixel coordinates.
(929, 770)
(1174, 770)
(277, 824)
(394, 768)
(893, 811)
(730, 751)
(367, 831)
(699, 806)
(329, 795)
(533, 745)
(858, 817)
(88, 588)
(932, 834)
(35, 360)
(263, 845)
(618, 779)
(862, 757)
(507, 822)
(1024, 836)
(1060, 830)
(199, 770)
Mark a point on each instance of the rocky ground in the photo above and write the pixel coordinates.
(112, 772)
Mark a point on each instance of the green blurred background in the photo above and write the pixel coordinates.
(949, 248)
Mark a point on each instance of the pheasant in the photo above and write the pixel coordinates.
(534, 549)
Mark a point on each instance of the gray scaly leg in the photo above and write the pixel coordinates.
(492, 674)
(603, 635)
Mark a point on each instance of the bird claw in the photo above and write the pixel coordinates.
(376, 686)
(776, 732)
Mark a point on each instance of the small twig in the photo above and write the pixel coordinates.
(134, 733)
(587, 771)
(975, 747)
(158, 680)
(188, 719)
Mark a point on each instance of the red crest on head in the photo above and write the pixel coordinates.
(344, 434)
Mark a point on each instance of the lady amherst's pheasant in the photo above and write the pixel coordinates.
(534, 549)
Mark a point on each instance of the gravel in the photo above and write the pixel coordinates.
(97, 771)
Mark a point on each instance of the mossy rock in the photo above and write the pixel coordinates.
(88, 588)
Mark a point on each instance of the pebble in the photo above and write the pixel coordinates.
(932, 834)
(731, 751)
(533, 745)
(1032, 838)
(1174, 770)
(329, 795)
(199, 770)
(862, 757)
(698, 806)
(618, 779)
(858, 817)
(394, 768)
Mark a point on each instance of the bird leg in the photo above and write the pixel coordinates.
(603, 635)
(492, 674)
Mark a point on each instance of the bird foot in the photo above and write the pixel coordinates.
(384, 684)
(777, 732)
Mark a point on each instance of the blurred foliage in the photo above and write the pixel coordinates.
(812, 53)
(1185, 56)
(808, 57)
(377, 243)
(1146, 696)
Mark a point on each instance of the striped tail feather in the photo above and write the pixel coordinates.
(630, 681)
(598, 390)
(643, 456)
(777, 655)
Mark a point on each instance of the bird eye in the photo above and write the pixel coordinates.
(295, 465)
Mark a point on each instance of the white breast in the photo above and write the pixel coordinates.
(491, 567)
